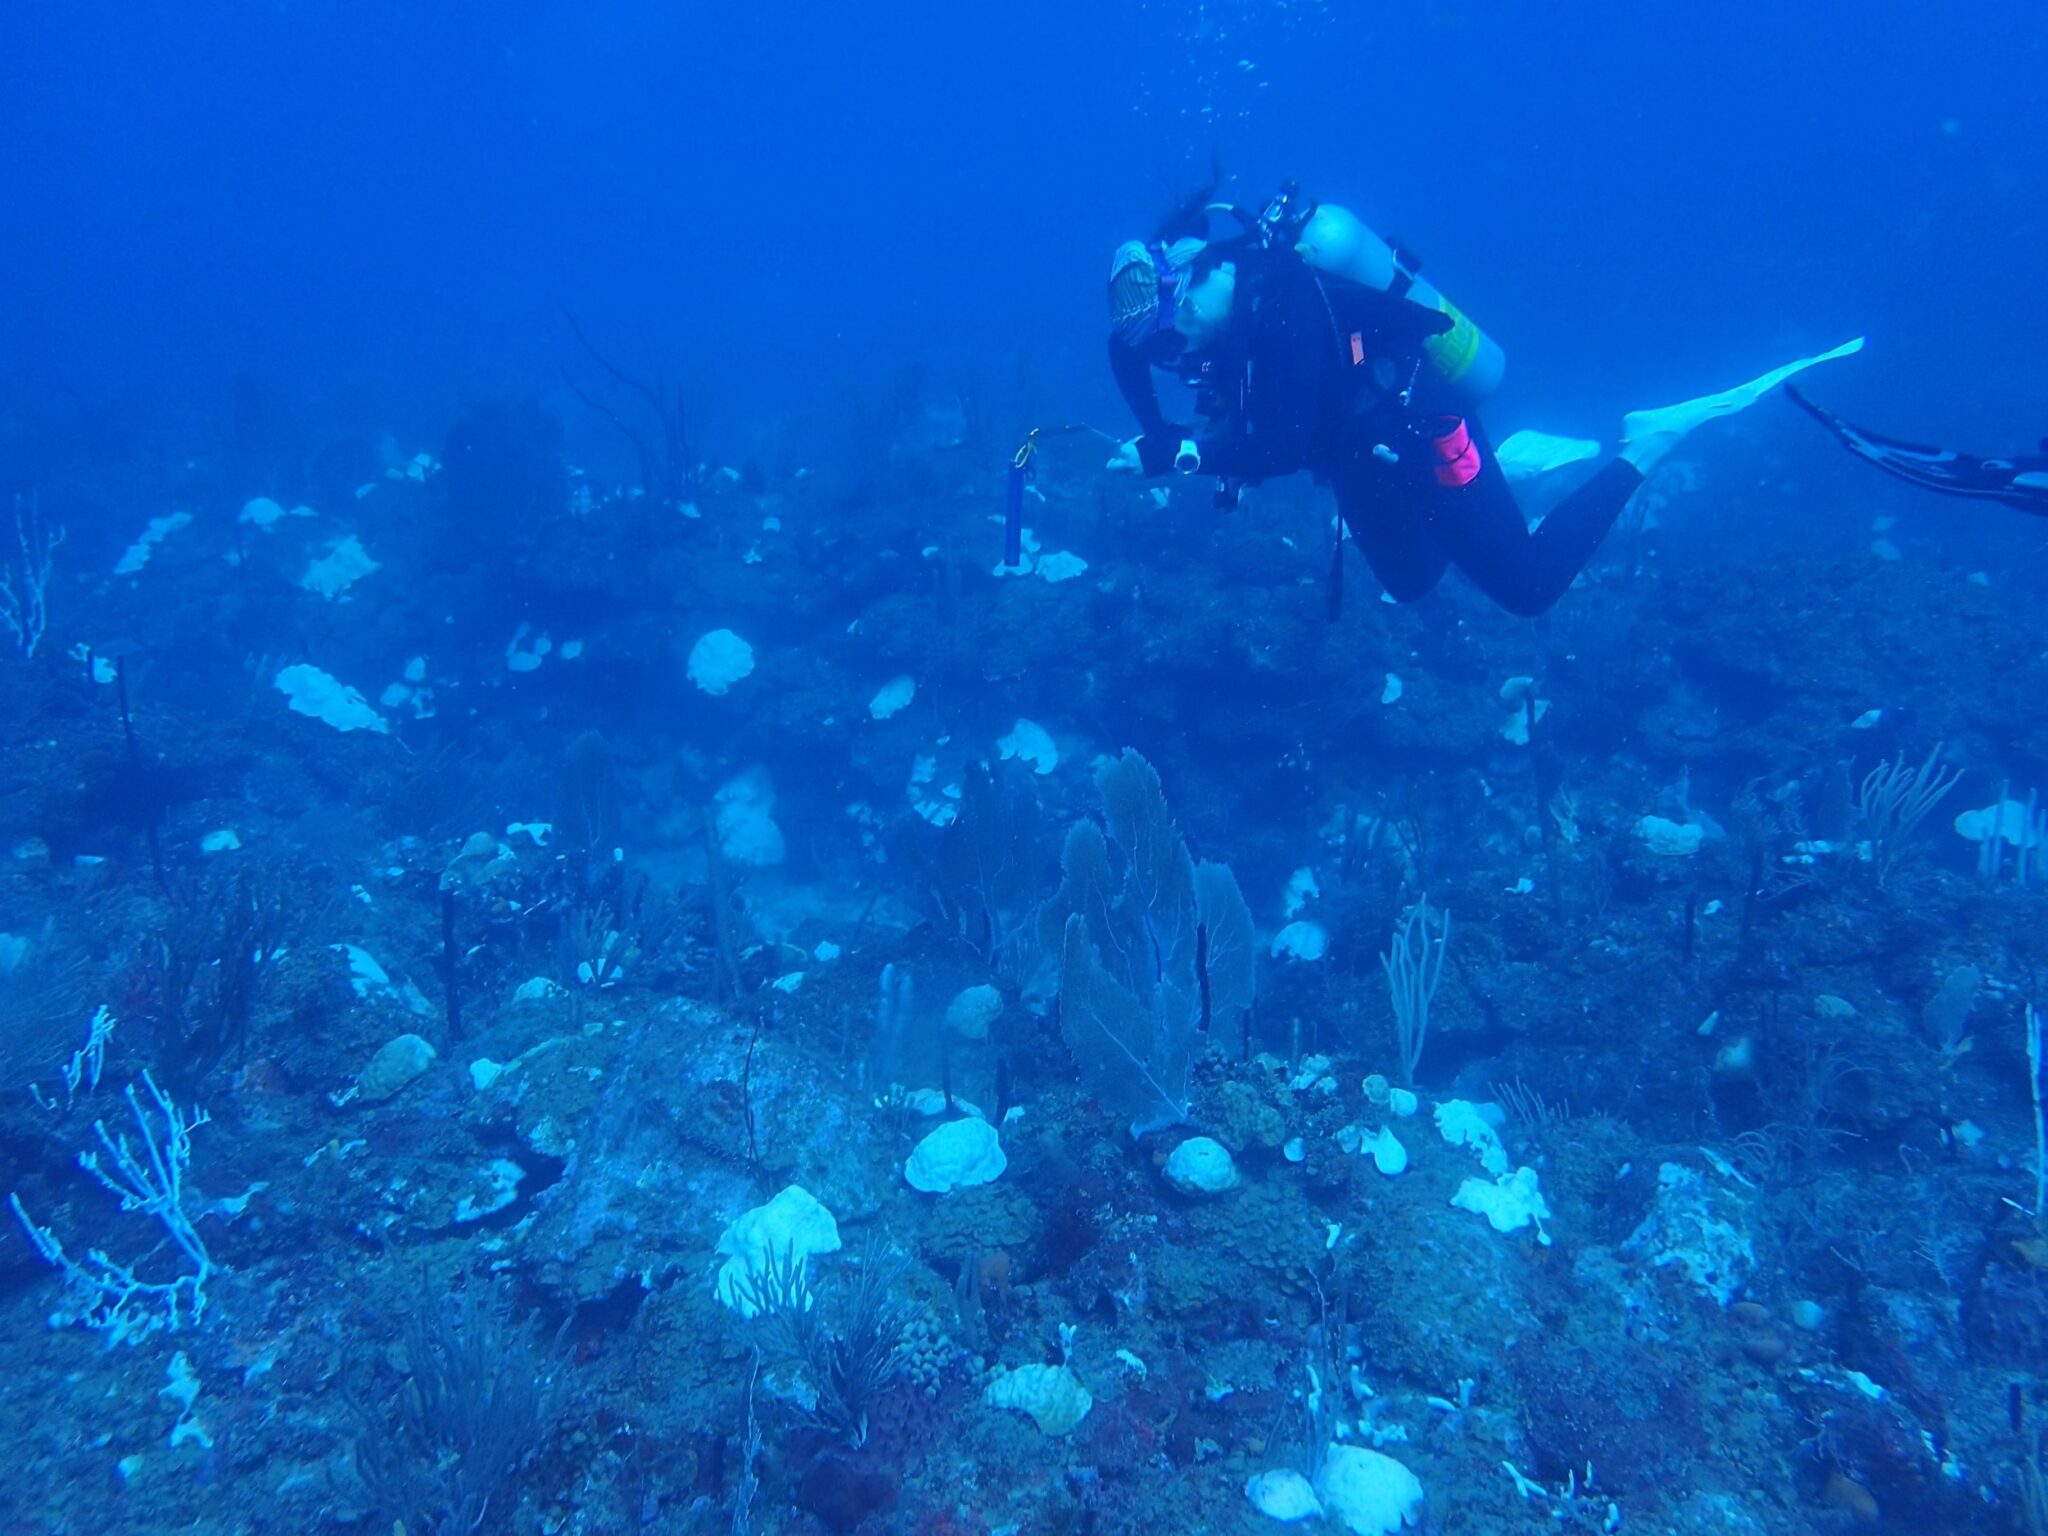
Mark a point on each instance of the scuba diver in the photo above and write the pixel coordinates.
(1313, 344)
(2020, 481)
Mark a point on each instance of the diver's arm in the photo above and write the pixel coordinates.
(1134, 381)
(1158, 439)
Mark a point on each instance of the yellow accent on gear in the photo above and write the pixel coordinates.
(1453, 353)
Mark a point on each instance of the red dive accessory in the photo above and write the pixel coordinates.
(1457, 456)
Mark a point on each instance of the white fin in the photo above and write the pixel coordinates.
(1677, 420)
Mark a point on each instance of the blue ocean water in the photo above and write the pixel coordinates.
(644, 888)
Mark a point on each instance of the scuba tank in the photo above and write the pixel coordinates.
(1335, 240)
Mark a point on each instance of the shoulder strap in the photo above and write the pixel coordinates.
(1407, 267)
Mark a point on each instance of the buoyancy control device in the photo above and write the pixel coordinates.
(1336, 241)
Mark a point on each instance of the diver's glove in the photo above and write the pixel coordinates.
(1155, 453)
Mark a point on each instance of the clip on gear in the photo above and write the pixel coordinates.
(1021, 470)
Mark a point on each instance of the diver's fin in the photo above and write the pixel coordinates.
(1648, 435)
(1525, 455)
(1806, 405)
(1869, 444)
(1687, 414)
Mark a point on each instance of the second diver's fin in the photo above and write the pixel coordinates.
(1869, 444)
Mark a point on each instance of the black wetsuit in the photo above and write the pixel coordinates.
(1322, 375)
(2020, 481)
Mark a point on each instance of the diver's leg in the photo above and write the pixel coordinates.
(1392, 531)
(1490, 541)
